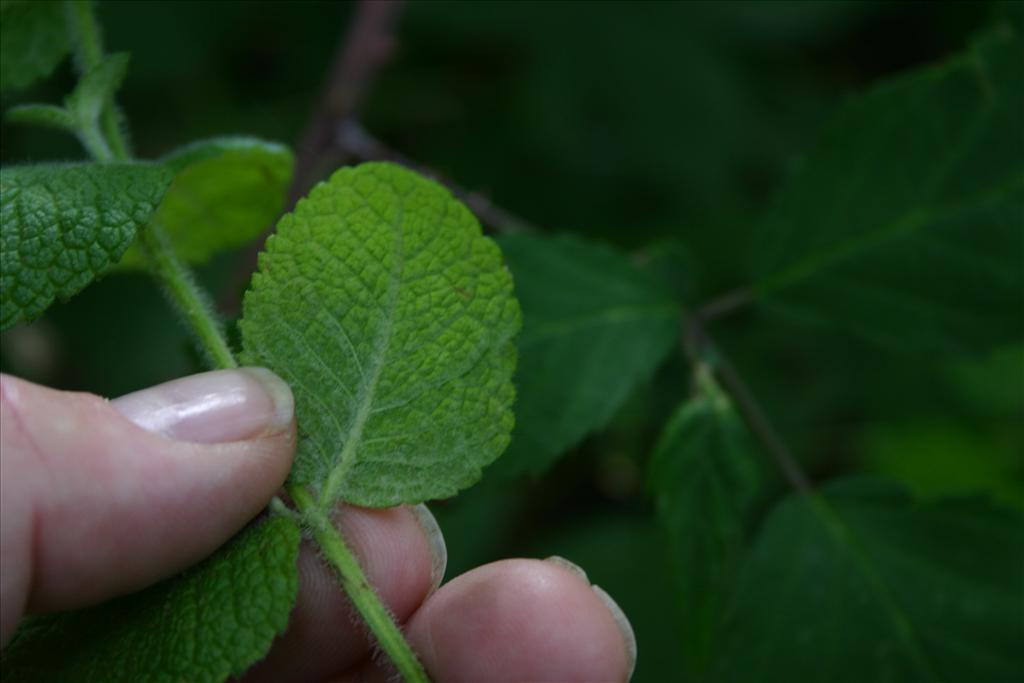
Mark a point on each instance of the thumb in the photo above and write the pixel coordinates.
(99, 498)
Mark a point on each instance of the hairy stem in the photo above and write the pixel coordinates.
(195, 306)
(89, 53)
(95, 143)
(108, 144)
(186, 295)
(358, 588)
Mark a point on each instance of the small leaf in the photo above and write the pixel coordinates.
(227, 191)
(860, 584)
(96, 88)
(213, 621)
(33, 40)
(45, 115)
(594, 327)
(61, 226)
(906, 224)
(705, 480)
(390, 315)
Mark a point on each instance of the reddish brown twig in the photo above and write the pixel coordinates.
(367, 45)
(356, 142)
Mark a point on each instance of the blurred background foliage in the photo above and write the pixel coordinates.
(663, 128)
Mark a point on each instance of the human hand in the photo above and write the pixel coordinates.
(100, 498)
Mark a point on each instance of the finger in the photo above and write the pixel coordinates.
(402, 553)
(518, 620)
(101, 498)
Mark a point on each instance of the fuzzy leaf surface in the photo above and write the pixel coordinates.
(391, 316)
(61, 226)
(594, 327)
(862, 584)
(33, 40)
(226, 192)
(212, 622)
(906, 225)
(705, 480)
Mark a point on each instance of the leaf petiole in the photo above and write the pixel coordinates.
(358, 588)
(88, 43)
(198, 312)
(187, 296)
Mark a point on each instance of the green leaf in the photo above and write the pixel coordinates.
(906, 224)
(594, 328)
(96, 88)
(213, 621)
(705, 480)
(860, 584)
(45, 115)
(227, 191)
(33, 40)
(937, 459)
(61, 226)
(379, 301)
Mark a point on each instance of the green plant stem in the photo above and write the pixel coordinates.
(355, 583)
(95, 143)
(699, 348)
(108, 144)
(187, 296)
(89, 52)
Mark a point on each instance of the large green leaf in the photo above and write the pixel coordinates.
(861, 584)
(33, 40)
(213, 621)
(705, 479)
(225, 193)
(594, 327)
(63, 225)
(906, 224)
(391, 316)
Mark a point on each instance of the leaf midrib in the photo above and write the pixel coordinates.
(906, 223)
(845, 538)
(346, 459)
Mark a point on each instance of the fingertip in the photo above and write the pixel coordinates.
(519, 620)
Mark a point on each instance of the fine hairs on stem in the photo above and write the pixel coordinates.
(197, 310)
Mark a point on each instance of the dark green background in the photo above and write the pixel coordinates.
(663, 128)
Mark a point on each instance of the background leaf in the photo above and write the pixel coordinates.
(705, 478)
(63, 225)
(939, 459)
(213, 621)
(905, 224)
(33, 40)
(226, 192)
(864, 585)
(379, 301)
(594, 327)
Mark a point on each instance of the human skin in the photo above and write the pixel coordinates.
(158, 479)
